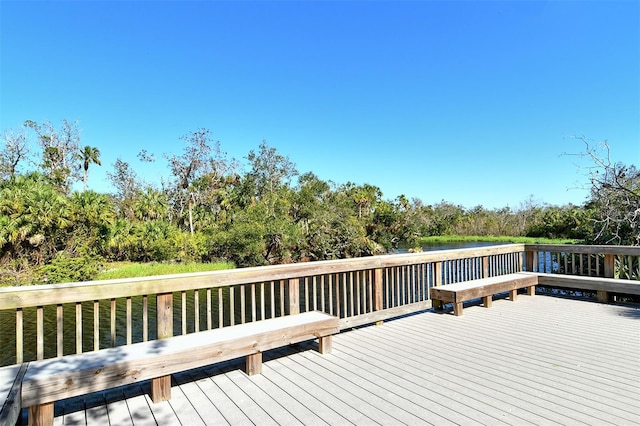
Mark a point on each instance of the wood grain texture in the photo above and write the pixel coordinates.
(54, 379)
(11, 393)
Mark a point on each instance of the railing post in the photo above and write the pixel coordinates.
(529, 260)
(161, 386)
(609, 272)
(437, 281)
(485, 266)
(377, 291)
(294, 296)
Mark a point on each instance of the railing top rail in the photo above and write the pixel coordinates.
(51, 294)
(585, 249)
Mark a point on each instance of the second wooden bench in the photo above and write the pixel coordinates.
(483, 288)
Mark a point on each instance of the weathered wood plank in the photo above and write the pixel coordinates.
(11, 392)
(51, 294)
(54, 379)
(483, 288)
(612, 285)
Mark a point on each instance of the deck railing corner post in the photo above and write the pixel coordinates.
(529, 260)
(485, 266)
(378, 275)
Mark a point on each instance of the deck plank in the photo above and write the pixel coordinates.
(539, 361)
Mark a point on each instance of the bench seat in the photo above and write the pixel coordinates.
(483, 288)
(53, 379)
(10, 393)
(603, 286)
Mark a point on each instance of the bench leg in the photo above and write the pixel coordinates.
(254, 364)
(325, 344)
(457, 308)
(602, 296)
(531, 291)
(41, 415)
(486, 301)
(437, 304)
(161, 389)
(513, 295)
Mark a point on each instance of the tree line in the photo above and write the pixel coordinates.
(211, 207)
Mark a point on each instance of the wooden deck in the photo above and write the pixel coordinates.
(540, 360)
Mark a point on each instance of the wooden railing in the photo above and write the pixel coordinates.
(39, 322)
(593, 261)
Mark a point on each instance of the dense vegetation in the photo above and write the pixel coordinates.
(210, 208)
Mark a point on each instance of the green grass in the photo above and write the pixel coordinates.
(117, 270)
(504, 239)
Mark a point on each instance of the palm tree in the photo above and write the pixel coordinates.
(89, 155)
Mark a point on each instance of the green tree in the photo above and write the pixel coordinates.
(59, 149)
(88, 155)
(189, 167)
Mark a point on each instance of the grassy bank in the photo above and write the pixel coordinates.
(503, 239)
(117, 270)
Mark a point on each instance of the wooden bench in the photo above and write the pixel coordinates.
(602, 286)
(50, 380)
(10, 393)
(483, 288)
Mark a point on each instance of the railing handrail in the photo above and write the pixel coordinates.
(51, 294)
(61, 319)
(585, 249)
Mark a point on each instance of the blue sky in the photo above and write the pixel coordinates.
(469, 102)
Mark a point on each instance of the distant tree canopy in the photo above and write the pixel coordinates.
(208, 209)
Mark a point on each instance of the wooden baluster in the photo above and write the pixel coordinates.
(145, 318)
(209, 310)
(273, 299)
(358, 284)
(282, 311)
(78, 327)
(39, 333)
(253, 303)
(345, 302)
(370, 289)
(96, 325)
(196, 310)
(113, 323)
(59, 330)
(262, 301)
(183, 311)
(337, 297)
(232, 311)
(129, 322)
(19, 336)
(220, 308)
(243, 304)
(322, 304)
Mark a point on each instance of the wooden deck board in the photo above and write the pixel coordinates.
(541, 360)
(500, 376)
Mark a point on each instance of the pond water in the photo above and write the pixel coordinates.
(451, 246)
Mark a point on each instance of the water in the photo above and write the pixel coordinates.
(453, 245)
